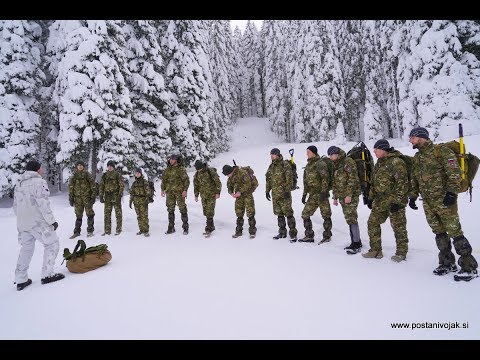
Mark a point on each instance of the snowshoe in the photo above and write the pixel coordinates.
(52, 278)
(465, 275)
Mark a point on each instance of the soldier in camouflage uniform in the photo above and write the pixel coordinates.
(387, 199)
(206, 183)
(346, 189)
(279, 179)
(436, 176)
(139, 196)
(175, 183)
(239, 187)
(111, 193)
(82, 195)
(316, 180)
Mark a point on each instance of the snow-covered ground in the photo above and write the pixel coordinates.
(189, 287)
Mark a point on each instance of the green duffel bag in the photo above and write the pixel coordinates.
(84, 259)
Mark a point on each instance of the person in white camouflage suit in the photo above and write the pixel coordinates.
(35, 221)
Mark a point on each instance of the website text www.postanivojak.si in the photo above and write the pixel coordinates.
(430, 325)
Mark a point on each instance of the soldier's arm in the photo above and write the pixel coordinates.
(71, 185)
(400, 184)
(452, 169)
(196, 186)
(305, 183)
(268, 177)
(101, 188)
(148, 191)
(93, 187)
(121, 185)
(163, 185)
(413, 193)
(185, 180)
(43, 203)
(230, 185)
(218, 183)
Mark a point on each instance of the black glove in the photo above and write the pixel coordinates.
(449, 199)
(102, 200)
(394, 207)
(286, 194)
(370, 204)
(130, 204)
(323, 196)
(267, 195)
(411, 203)
(93, 199)
(72, 203)
(304, 199)
(55, 225)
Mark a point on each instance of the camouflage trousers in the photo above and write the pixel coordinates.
(141, 208)
(82, 204)
(379, 214)
(313, 203)
(208, 205)
(111, 203)
(350, 210)
(245, 203)
(282, 206)
(445, 223)
(49, 238)
(176, 199)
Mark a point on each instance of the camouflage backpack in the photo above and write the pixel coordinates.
(329, 164)
(363, 159)
(471, 163)
(293, 167)
(253, 178)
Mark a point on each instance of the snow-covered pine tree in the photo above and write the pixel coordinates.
(248, 48)
(238, 74)
(94, 107)
(151, 103)
(188, 77)
(20, 79)
(259, 73)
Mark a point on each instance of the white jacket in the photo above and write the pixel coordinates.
(31, 203)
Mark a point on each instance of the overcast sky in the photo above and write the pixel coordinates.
(242, 23)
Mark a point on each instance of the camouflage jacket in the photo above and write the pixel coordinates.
(206, 182)
(345, 177)
(140, 191)
(82, 185)
(315, 176)
(433, 176)
(279, 177)
(175, 179)
(239, 182)
(111, 184)
(390, 180)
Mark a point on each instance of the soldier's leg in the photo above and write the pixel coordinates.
(27, 243)
(398, 221)
(118, 214)
(136, 207)
(239, 211)
(445, 255)
(170, 202)
(108, 215)
(209, 212)
(90, 216)
(309, 209)
(79, 206)
(326, 212)
(350, 210)
(288, 211)
(143, 217)
(51, 244)
(250, 210)
(278, 211)
(182, 206)
(378, 216)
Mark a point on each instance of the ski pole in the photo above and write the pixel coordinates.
(462, 150)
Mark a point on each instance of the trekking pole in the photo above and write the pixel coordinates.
(462, 150)
(291, 155)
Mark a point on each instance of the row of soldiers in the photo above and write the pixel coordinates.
(435, 178)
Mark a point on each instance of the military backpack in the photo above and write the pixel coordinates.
(363, 159)
(253, 178)
(84, 259)
(293, 167)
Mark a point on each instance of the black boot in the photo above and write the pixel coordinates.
(209, 227)
(185, 223)
(282, 228)
(77, 229)
(239, 228)
(309, 233)
(293, 229)
(90, 227)
(252, 229)
(171, 223)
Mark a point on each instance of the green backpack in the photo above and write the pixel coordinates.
(363, 159)
(253, 178)
(471, 164)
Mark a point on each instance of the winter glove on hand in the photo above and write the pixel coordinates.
(130, 204)
(94, 198)
(267, 195)
(286, 195)
(304, 199)
(55, 225)
(102, 199)
(449, 199)
(370, 204)
(411, 203)
(394, 207)
(323, 196)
